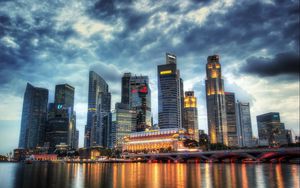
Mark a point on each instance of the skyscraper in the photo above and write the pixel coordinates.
(99, 102)
(231, 119)
(124, 122)
(64, 95)
(215, 101)
(244, 126)
(34, 116)
(140, 101)
(61, 126)
(126, 88)
(76, 140)
(271, 131)
(170, 94)
(136, 94)
(190, 115)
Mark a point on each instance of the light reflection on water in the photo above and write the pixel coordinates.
(149, 175)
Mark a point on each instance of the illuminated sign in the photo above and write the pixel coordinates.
(59, 106)
(143, 90)
(166, 72)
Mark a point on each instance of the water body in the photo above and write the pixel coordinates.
(130, 175)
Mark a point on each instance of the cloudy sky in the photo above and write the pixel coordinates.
(52, 42)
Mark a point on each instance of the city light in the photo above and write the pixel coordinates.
(166, 72)
(157, 94)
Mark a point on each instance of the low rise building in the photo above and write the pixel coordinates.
(89, 153)
(271, 130)
(171, 139)
(20, 154)
(44, 157)
(3, 158)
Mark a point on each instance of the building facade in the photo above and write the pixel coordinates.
(140, 101)
(231, 119)
(64, 95)
(61, 124)
(76, 141)
(271, 131)
(244, 126)
(170, 94)
(215, 101)
(99, 105)
(34, 116)
(64, 99)
(136, 94)
(190, 115)
(156, 141)
(123, 123)
(125, 88)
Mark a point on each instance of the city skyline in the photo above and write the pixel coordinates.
(251, 62)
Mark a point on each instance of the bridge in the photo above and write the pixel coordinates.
(241, 155)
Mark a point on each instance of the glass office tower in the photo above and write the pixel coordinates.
(271, 131)
(124, 123)
(244, 126)
(64, 95)
(99, 102)
(231, 119)
(136, 94)
(170, 94)
(140, 101)
(34, 116)
(61, 126)
(126, 88)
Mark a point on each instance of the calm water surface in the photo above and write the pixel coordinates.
(148, 175)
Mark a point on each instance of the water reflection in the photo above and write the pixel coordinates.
(149, 175)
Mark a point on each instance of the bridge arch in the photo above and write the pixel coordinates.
(235, 156)
(268, 156)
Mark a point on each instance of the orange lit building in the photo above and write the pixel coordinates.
(89, 153)
(215, 101)
(3, 158)
(190, 115)
(156, 140)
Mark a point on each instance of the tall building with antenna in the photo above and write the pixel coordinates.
(170, 94)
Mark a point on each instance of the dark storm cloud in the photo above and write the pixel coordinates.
(108, 12)
(281, 64)
(248, 26)
(104, 8)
